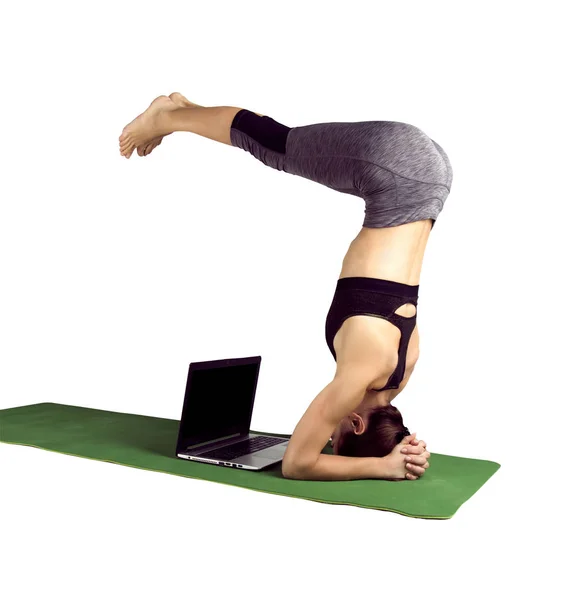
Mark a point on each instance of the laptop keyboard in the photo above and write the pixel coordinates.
(241, 448)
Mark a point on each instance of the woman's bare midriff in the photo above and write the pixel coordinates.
(394, 253)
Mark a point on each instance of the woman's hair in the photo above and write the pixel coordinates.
(384, 431)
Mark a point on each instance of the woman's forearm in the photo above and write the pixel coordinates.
(334, 467)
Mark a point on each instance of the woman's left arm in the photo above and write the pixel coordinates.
(303, 458)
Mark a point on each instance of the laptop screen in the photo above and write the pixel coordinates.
(218, 401)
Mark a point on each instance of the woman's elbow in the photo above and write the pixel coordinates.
(289, 473)
(292, 470)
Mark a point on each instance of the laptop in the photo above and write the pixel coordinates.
(215, 423)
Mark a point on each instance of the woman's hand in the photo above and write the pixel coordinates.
(408, 460)
(417, 455)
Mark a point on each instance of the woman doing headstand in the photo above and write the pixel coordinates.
(404, 177)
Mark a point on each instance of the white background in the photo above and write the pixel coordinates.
(116, 274)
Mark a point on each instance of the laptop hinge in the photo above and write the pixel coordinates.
(218, 442)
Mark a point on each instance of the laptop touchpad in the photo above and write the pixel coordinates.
(273, 452)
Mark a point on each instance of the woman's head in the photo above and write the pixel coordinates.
(369, 432)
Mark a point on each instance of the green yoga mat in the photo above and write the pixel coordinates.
(149, 443)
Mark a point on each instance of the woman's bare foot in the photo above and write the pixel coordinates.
(182, 102)
(146, 127)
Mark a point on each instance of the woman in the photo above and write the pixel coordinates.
(404, 178)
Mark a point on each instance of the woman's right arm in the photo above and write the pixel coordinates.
(394, 466)
(303, 458)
